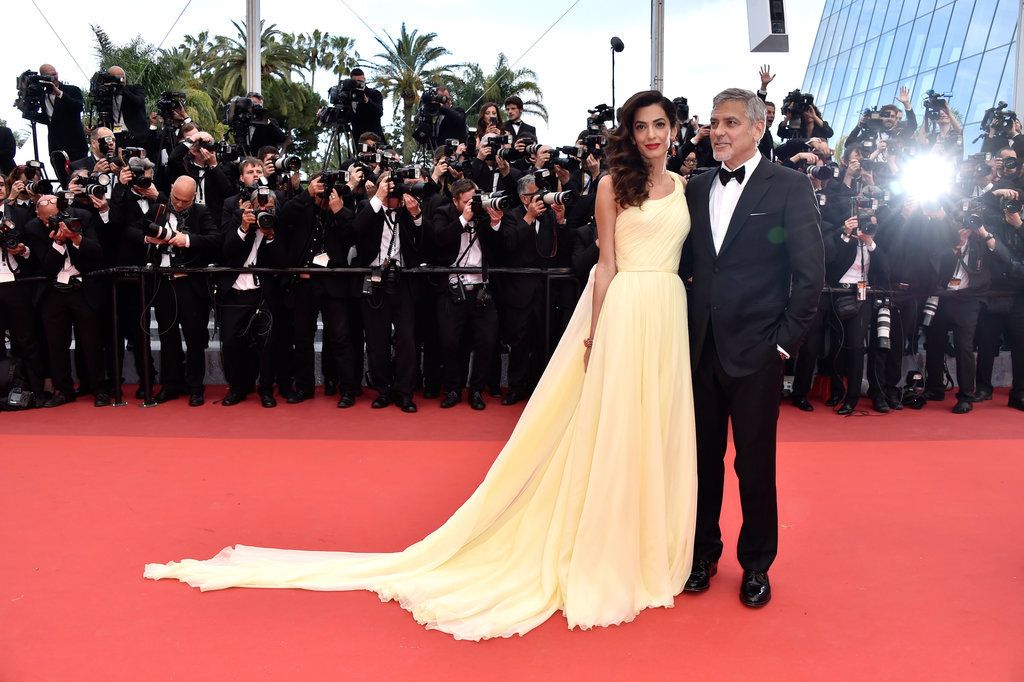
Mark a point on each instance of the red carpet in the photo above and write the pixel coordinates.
(901, 556)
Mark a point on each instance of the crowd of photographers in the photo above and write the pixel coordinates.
(151, 190)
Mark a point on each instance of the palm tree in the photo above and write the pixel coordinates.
(278, 61)
(474, 87)
(404, 69)
(344, 55)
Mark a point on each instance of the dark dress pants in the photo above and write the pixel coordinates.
(885, 367)
(59, 309)
(17, 314)
(524, 329)
(959, 312)
(309, 300)
(182, 311)
(848, 338)
(382, 312)
(246, 328)
(751, 404)
(1001, 319)
(453, 320)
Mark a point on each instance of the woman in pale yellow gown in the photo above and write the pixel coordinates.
(590, 506)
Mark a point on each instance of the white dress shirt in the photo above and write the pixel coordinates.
(724, 199)
(69, 270)
(859, 270)
(390, 229)
(473, 258)
(247, 281)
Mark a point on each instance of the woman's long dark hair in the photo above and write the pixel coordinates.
(627, 167)
(481, 121)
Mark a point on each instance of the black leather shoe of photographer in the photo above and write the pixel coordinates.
(880, 404)
(1016, 403)
(140, 393)
(232, 398)
(406, 404)
(934, 395)
(165, 395)
(58, 398)
(700, 575)
(962, 407)
(267, 399)
(845, 409)
(982, 394)
(330, 387)
(380, 401)
(476, 401)
(834, 400)
(298, 396)
(451, 399)
(101, 399)
(512, 397)
(803, 404)
(195, 399)
(755, 590)
(347, 400)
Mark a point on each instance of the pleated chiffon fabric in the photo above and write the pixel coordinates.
(590, 506)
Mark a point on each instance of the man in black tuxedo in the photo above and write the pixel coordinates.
(514, 124)
(194, 157)
(63, 105)
(130, 120)
(756, 258)
(103, 153)
(368, 112)
(452, 123)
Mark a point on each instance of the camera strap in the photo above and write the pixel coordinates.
(462, 256)
(394, 236)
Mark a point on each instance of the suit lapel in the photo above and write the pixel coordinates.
(757, 187)
(700, 210)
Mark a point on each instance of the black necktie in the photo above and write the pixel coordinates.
(725, 175)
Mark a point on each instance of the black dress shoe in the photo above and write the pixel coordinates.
(195, 399)
(935, 395)
(267, 399)
(451, 399)
(803, 404)
(430, 393)
(962, 407)
(880, 404)
(101, 399)
(1016, 403)
(833, 400)
(298, 397)
(232, 398)
(347, 400)
(700, 575)
(494, 391)
(58, 398)
(383, 400)
(981, 395)
(406, 404)
(330, 387)
(845, 409)
(476, 401)
(512, 397)
(165, 395)
(755, 590)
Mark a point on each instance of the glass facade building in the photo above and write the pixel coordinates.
(866, 49)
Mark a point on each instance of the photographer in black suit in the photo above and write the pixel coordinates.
(893, 129)
(515, 123)
(465, 234)
(802, 119)
(387, 231)
(130, 122)
(65, 247)
(264, 131)
(195, 158)
(187, 237)
(367, 115)
(452, 124)
(64, 105)
(756, 259)
(319, 234)
(7, 150)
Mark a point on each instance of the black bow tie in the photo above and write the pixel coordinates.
(725, 176)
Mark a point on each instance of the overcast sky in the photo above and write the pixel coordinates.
(707, 47)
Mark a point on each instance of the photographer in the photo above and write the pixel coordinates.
(195, 157)
(533, 237)
(180, 234)
(7, 150)
(696, 139)
(767, 144)
(263, 130)
(1008, 170)
(103, 156)
(946, 136)
(1002, 316)
(249, 301)
(491, 170)
(802, 118)
(63, 107)
(366, 116)
(961, 269)
(320, 234)
(386, 233)
(466, 235)
(64, 246)
(515, 124)
(452, 123)
(1001, 129)
(129, 119)
(891, 128)
(16, 310)
(282, 172)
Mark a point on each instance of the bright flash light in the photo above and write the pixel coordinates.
(926, 178)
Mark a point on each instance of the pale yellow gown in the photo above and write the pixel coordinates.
(589, 507)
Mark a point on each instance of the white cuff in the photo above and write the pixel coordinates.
(462, 219)
(241, 234)
(782, 352)
(376, 204)
(105, 216)
(871, 247)
(188, 242)
(60, 248)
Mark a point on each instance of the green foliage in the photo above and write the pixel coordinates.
(20, 136)
(472, 87)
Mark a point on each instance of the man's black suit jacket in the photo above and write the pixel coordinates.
(524, 130)
(298, 221)
(205, 242)
(86, 257)
(761, 289)
(7, 150)
(65, 125)
(368, 228)
(526, 247)
(368, 114)
(446, 237)
(133, 110)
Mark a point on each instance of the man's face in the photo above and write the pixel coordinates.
(181, 198)
(733, 137)
(3, 190)
(46, 206)
(463, 199)
(691, 161)
(770, 118)
(47, 70)
(1003, 155)
(446, 97)
(527, 196)
(890, 118)
(250, 174)
(361, 78)
(819, 145)
(513, 112)
(104, 142)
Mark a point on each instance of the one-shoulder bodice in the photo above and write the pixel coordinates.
(649, 237)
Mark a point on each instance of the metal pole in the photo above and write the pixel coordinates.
(657, 45)
(1018, 79)
(118, 392)
(147, 353)
(253, 51)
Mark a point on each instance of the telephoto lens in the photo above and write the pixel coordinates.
(497, 201)
(558, 198)
(883, 326)
(931, 305)
(287, 164)
(162, 232)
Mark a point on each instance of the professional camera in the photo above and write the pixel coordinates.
(873, 120)
(156, 230)
(108, 147)
(600, 114)
(343, 98)
(132, 153)
(140, 179)
(95, 185)
(864, 208)
(240, 112)
(335, 180)
(426, 116)
(682, 109)
(1011, 164)
(1012, 205)
(266, 219)
(385, 276)
(998, 120)
(103, 87)
(287, 163)
(258, 194)
(73, 224)
(974, 214)
(168, 102)
(933, 104)
(558, 198)
(416, 189)
(595, 145)
(227, 152)
(32, 89)
(497, 201)
(9, 235)
(40, 187)
(824, 173)
(797, 102)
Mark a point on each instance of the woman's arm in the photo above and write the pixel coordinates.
(605, 213)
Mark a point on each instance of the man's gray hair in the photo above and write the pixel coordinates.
(756, 110)
(523, 186)
(140, 163)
